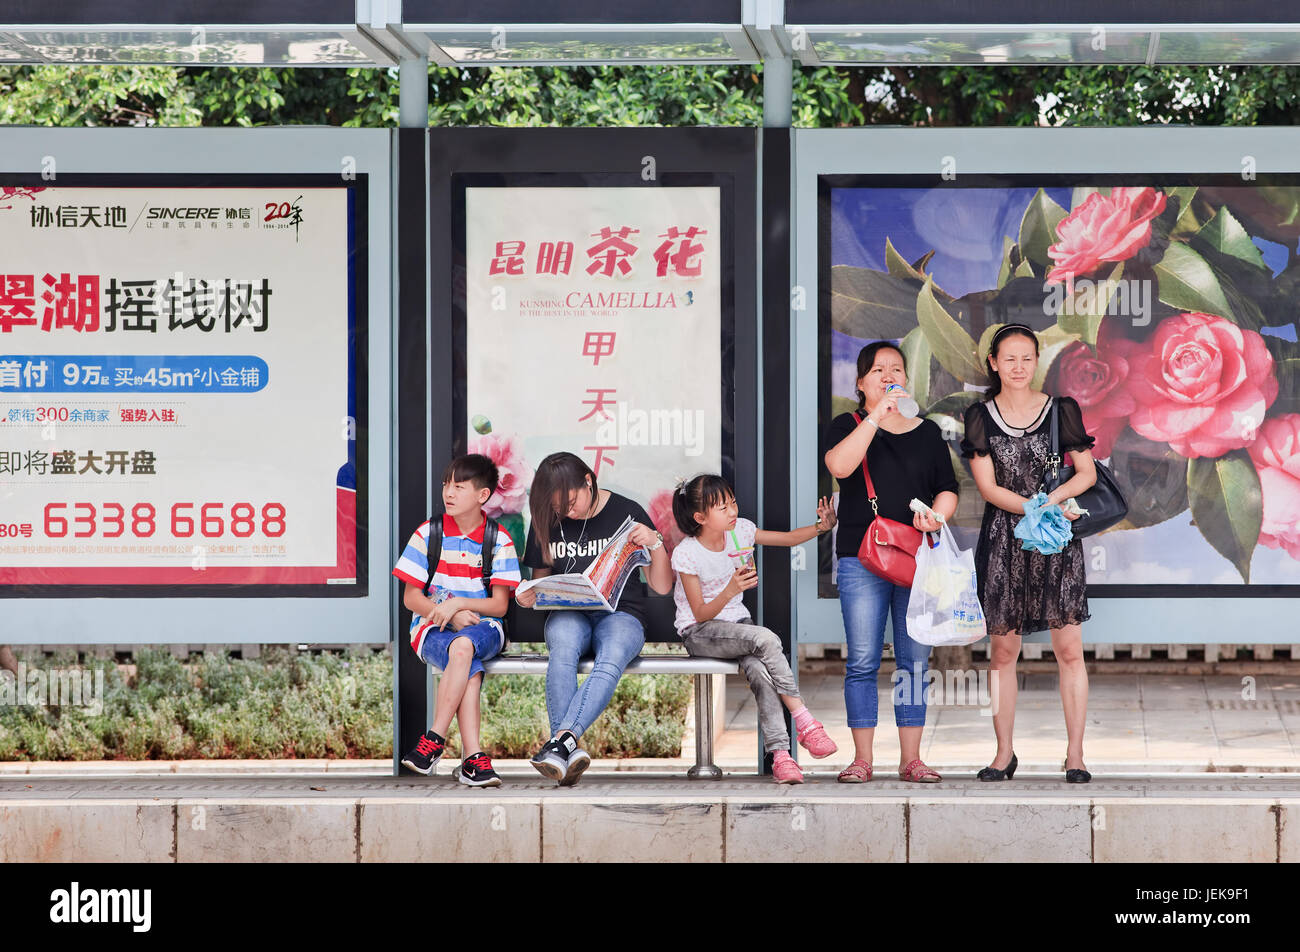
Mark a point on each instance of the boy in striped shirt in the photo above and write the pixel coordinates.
(457, 625)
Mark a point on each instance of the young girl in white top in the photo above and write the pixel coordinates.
(715, 566)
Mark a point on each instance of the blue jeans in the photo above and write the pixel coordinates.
(616, 637)
(866, 600)
(484, 636)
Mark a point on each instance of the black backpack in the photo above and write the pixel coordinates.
(434, 548)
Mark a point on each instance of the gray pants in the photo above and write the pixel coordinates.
(759, 653)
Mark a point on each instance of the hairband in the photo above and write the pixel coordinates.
(1011, 327)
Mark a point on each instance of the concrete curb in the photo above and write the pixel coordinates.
(663, 766)
(766, 825)
(152, 768)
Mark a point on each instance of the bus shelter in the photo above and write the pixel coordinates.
(237, 359)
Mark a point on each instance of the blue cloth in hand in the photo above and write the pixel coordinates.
(1044, 529)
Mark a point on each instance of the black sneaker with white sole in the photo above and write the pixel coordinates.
(579, 761)
(476, 771)
(552, 761)
(428, 751)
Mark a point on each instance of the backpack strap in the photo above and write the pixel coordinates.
(490, 530)
(489, 545)
(434, 547)
(434, 550)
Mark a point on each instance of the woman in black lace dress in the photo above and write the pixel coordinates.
(1008, 440)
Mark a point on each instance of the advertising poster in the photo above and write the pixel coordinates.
(594, 325)
(178, 380)
(1167, 309)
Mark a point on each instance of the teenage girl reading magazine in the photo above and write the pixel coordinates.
(714, 566)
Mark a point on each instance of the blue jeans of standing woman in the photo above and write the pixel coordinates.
(866, 600)
(614, 637)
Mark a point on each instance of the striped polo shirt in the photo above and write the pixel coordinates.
(460, 569)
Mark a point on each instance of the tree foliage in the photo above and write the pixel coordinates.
(651, 95)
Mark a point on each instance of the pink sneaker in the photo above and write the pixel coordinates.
(785, 770)
(816, 741)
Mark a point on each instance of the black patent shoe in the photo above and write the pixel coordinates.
(991, 774)
(1077, 775)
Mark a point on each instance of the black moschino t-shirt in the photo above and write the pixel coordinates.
(574, 546)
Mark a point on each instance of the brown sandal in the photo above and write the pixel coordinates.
(857, 772)
(918, 772)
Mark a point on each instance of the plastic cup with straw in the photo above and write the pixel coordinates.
(742, 555)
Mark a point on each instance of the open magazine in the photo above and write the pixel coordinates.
(601, 586)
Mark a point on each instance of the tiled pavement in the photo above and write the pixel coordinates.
(1136, 723)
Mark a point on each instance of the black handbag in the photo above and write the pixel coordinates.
(1104, 502)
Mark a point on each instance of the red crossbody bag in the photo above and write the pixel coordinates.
(888, 548)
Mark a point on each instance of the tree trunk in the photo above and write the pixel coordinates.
(7, 660)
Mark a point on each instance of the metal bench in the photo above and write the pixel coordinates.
(702, 668)
(527, 627)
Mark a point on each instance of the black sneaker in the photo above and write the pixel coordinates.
(424, 758)
(552, 760)
(476, 771)
(579, 761)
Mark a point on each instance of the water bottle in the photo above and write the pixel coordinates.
(906, 405)
(919, 507)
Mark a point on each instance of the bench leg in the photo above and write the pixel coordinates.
(704, 765)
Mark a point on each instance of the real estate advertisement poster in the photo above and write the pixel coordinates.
(178, 381)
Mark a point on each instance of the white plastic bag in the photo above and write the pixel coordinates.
(944, 607)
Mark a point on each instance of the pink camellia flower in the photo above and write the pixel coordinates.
(1111, 227)
(660, 512)
(1099, 382)
(1277, 458)
(1202, 386)
(513, 477)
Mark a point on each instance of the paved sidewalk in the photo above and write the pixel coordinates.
(1187, 770)
(1136, 724)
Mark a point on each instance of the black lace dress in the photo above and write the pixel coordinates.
(1023, 591)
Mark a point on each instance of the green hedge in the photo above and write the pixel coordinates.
(293, 704)
(645, 718)
(285, 704)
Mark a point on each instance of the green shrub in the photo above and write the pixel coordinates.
(9, 744)
(645, 717)
(294, 704)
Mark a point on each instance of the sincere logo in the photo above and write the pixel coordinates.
(162, 213)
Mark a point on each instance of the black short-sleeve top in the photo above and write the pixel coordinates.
(575, 543)
(903, 466)
(980, 421)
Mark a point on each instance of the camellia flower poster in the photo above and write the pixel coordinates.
(1168, 310)
(594, 324)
